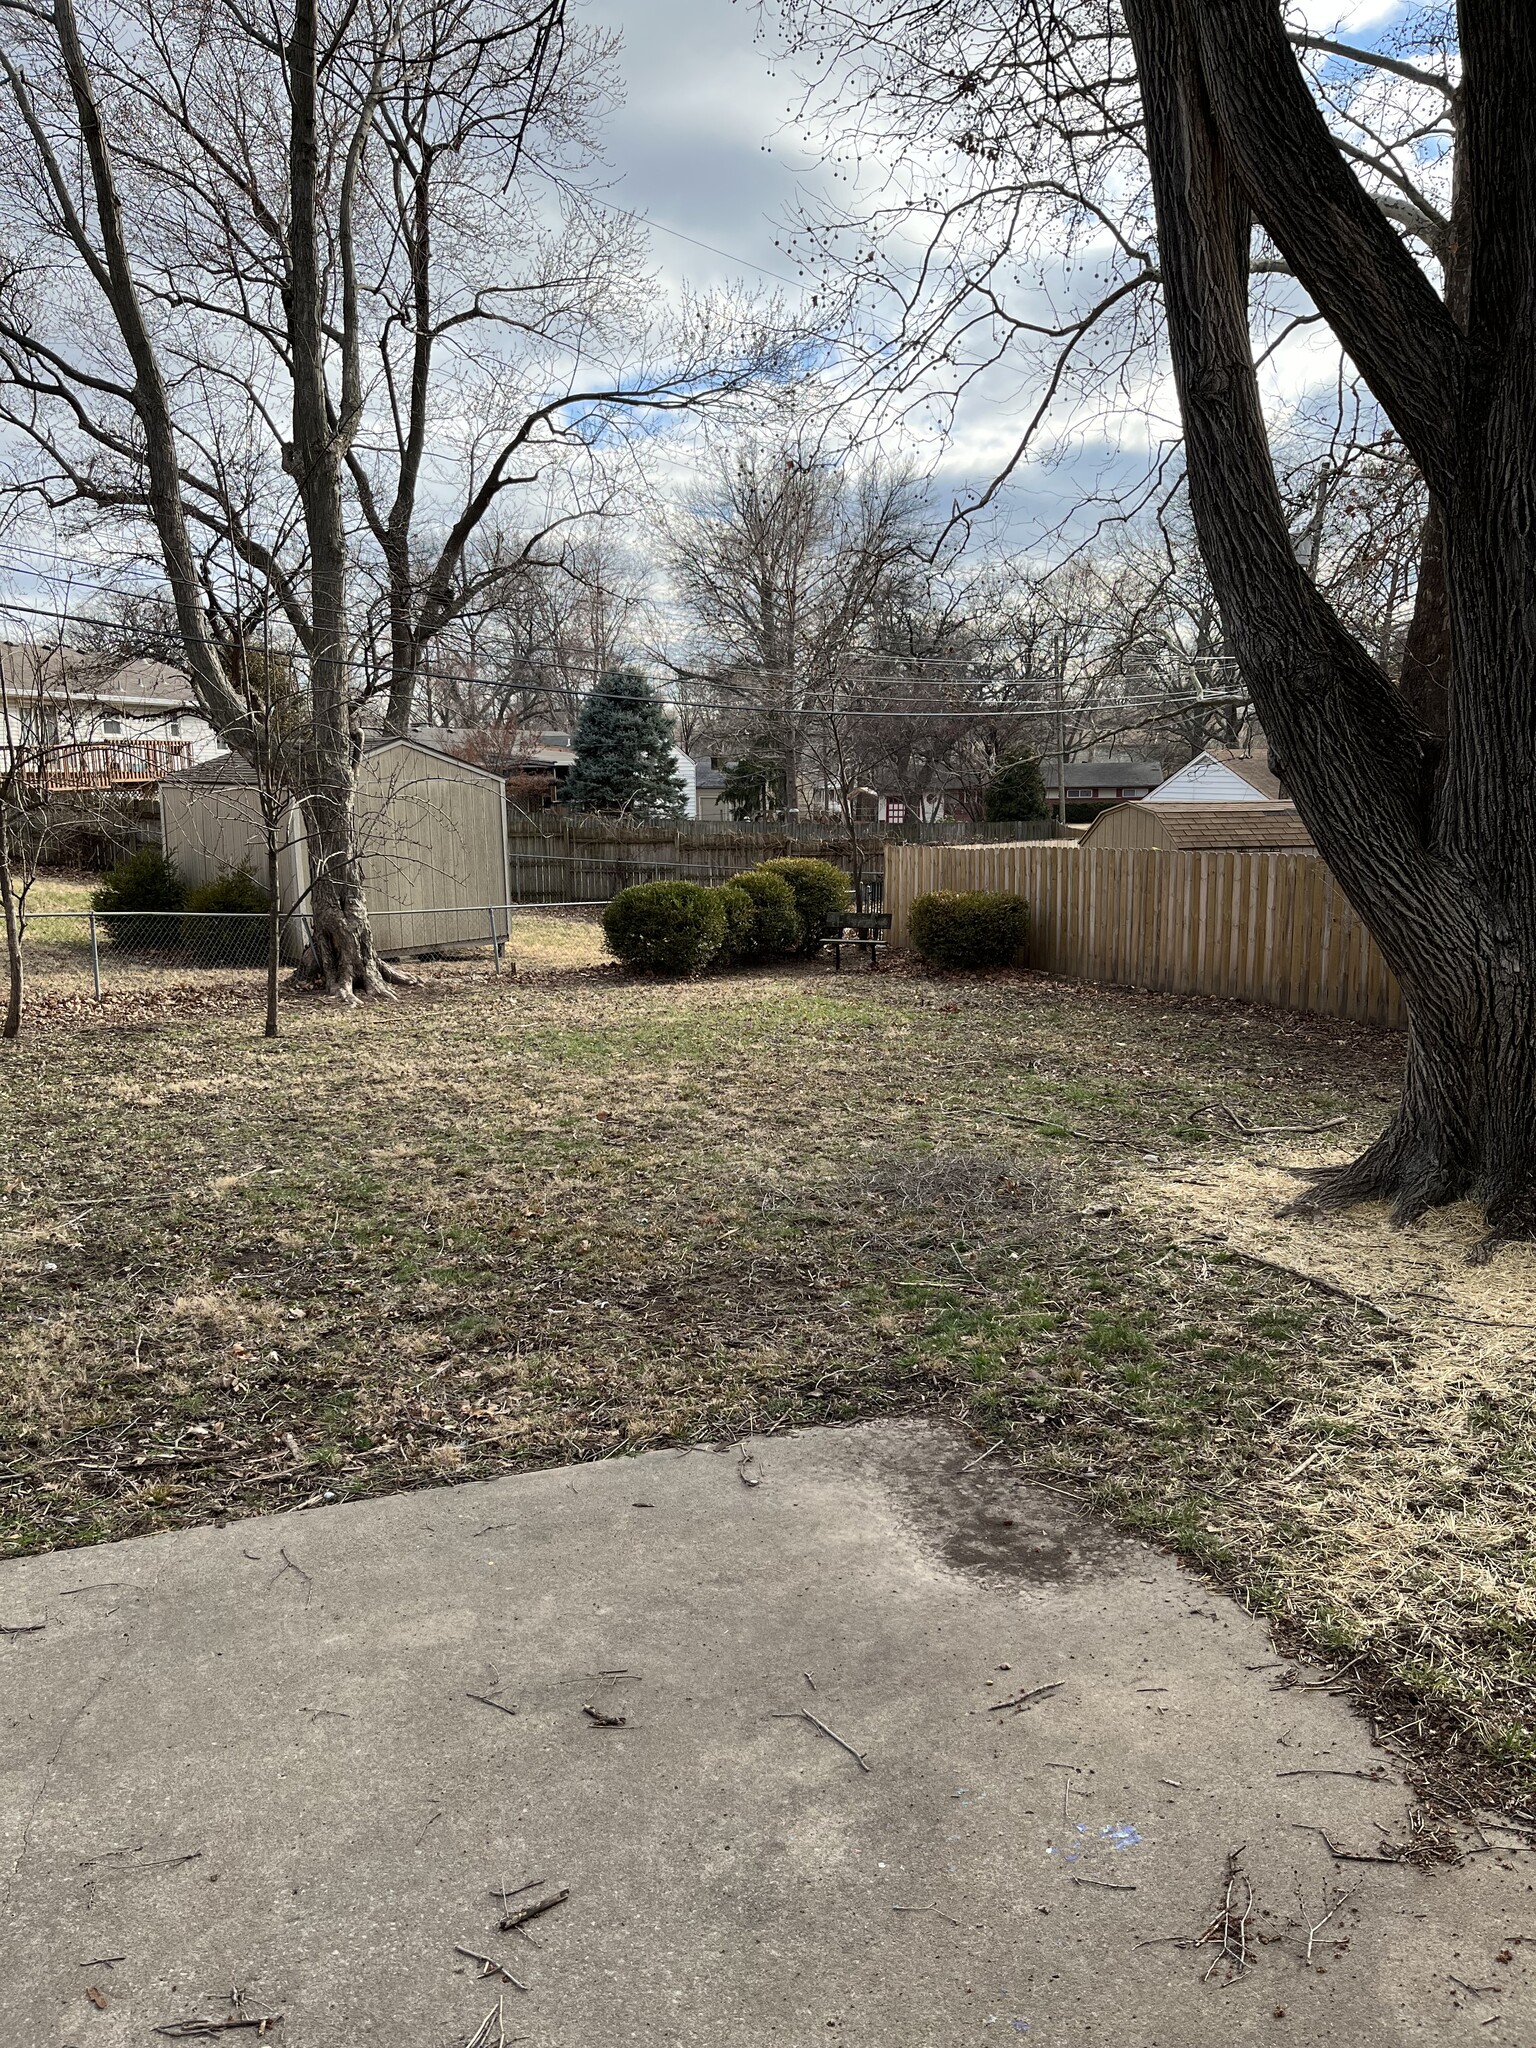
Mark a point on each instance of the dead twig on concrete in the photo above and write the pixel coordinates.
(486, 1701)
(288, 1565)
(1477, 1990)
(1022, 1699)
(522, 1914)
(1343, 1855)
(480, 2038)
(197, 2030)
(1315, 1928)
(1229, 1929)
(601, 1720)
(857, 1755)
(744, 1465)
(21, 1628)
(1375, 1777)
(489, 1967)
(1105, 1884)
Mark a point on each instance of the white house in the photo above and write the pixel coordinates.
(1219, 777)
(84, 721)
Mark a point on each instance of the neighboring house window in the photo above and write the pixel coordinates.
(895, 814)
(175, 728)
(112, 726)
(1082, 793)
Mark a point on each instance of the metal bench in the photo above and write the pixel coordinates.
(865, 930)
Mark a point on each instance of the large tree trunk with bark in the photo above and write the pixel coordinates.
(341, 946)
(1431, 832)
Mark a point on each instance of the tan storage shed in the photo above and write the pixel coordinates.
(1260, 827)
(432, 834)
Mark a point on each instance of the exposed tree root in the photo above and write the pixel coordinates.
(1408, 1170)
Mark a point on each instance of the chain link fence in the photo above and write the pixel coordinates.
(96, 954)
(78, 958)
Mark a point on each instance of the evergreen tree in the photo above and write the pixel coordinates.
(754, 786)
(1017, 790)
(625, 752)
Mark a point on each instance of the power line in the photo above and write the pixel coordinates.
(861, 677)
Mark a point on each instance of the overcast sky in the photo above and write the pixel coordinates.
(701, 148)
(704, 147)
(696, 147)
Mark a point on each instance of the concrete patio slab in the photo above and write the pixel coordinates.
(251, 1757)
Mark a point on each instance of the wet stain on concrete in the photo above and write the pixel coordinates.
(985, 1520)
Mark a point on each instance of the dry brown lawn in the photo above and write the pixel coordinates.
(497, 1225)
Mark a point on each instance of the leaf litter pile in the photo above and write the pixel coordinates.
(498, 1225)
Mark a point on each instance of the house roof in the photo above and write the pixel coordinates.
(1119, 772)
(1265, 826)
(544, 750)
(1253, 768)
(74, 675)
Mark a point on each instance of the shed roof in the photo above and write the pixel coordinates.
(1263, 827)
(230, 771)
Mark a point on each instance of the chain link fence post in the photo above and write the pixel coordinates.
(95, 958)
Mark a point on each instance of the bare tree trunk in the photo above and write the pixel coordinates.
(274, 929)
(1442, 867)
(13, 958)
(343, 955)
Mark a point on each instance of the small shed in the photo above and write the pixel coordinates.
(431, 833)
(1265, 826)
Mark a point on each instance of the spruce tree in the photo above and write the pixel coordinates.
(1017, 790)
(625, 751)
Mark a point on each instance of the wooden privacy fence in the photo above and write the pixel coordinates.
(1258, 927)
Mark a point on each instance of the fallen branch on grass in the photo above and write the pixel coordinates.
(1280, 1130)
(1313, 1280)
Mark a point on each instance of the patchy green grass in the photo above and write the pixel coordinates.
(492, 1226)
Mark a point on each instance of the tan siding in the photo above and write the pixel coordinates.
(429, 831)
(430, 838)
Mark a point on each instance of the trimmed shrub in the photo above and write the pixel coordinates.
(740, 923)
(820, 890)
(239, 937)
(665, 927)
(145, 882)
(776, 926)
(969, 928)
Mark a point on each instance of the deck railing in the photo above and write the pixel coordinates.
(110, 764)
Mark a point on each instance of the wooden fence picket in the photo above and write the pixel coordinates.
(1264, 927)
